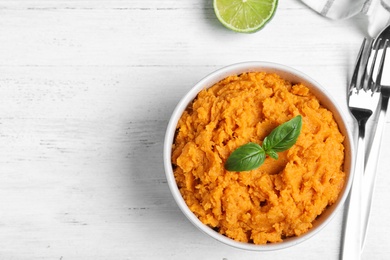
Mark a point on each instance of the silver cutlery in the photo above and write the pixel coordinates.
(362, 101)
(382, 84)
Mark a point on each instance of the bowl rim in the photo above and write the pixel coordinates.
(291, 74)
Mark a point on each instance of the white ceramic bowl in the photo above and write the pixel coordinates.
(288, 74)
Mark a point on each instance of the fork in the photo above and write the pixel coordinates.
(362, 102)
(372, 160)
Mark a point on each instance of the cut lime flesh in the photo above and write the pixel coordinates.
(245, 16)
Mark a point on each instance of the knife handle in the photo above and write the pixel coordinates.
(371, 167)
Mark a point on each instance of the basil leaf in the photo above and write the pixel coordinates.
(272, 154)
(251, 155)
(245, 158)
(283, 136)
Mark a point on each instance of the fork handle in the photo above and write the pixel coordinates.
(371, 167)
(351, 235)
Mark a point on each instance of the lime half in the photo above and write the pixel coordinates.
(246, 16)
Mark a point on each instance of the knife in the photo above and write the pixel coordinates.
(382, 80)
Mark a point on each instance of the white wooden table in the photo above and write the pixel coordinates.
(86, 91)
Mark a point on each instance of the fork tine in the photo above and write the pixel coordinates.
(364, 81)
(354, 80)
(370, 77)
(381, 64)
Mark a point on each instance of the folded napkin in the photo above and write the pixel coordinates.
(377, 11)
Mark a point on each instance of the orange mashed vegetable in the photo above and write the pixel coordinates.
(282, 197)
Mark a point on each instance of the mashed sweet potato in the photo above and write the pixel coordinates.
(282, 197)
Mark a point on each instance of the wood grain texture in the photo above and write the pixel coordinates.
(86, 92)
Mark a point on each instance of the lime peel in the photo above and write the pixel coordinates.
(245, 16)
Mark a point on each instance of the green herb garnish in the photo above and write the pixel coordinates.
(245, 158)
(251, 155)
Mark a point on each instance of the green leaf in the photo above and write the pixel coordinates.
(245, 158)
(272, 154)
(250, 156)
(284, 136)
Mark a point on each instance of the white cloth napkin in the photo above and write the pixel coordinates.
(377, 11)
